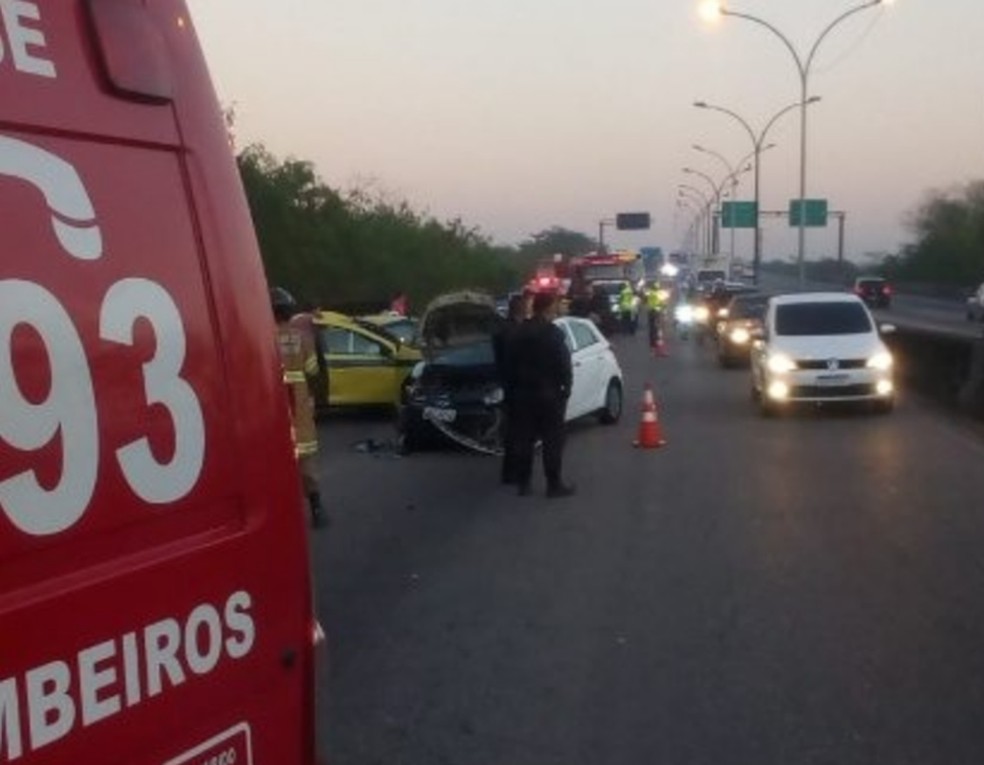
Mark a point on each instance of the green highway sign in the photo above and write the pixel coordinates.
(738, 214)
(816, 213)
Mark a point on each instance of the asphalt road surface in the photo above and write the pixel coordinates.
(800, 590)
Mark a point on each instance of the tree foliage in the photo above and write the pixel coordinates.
(557, 239)
(949, 239)
(330, 248)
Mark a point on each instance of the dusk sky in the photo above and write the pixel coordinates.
(517, 115)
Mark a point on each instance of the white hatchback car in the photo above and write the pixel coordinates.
(821, 347)
(597, 379)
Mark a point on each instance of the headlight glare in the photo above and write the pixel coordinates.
(778, 391)
(881, 361)
(494, 397)
(780, 364)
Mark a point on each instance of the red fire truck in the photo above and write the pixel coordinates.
(155, 598)
(614, 266)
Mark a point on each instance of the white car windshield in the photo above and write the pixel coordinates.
(802, 319)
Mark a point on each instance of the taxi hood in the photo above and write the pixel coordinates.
(458, 319)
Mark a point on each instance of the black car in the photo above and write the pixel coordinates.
(455, 393)
(711, 308)
(745, 315)
(874, 291)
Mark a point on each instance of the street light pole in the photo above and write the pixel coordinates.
(703, 204)
(716, 189)
(734, 184)
(758, 144)
(693, 232)
(742, 168)
(803, 66)
(716, 199)
(601, 233)
(694, 195)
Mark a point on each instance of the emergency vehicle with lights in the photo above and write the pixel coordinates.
(155, 595)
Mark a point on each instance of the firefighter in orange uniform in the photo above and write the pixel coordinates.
(296, 345)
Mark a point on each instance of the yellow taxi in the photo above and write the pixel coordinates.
(367, 365)
(403, 327)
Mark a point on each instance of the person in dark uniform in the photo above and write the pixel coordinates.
(517, 313)
(540, 365)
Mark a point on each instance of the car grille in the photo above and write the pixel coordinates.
(831, 391)
(823, 364)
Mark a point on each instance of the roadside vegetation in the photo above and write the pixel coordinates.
(948, 247)
(356, 249)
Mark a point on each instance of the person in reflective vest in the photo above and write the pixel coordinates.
(626, 304)
(297, 348)
(655, 305)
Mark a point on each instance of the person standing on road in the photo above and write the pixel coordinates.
(540, 362)
(654, 306)
(316, 364)
(626, 302)
(296, 346)
(518, 312)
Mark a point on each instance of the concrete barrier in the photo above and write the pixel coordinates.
(948, 368)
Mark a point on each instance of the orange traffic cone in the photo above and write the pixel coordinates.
(660, 349)
(650, 432)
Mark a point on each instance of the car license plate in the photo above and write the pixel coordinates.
(832, 379)
(436, 414)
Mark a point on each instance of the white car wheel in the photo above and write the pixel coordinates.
(612, 410)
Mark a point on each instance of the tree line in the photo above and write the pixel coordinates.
(948, 246)
(360, 248)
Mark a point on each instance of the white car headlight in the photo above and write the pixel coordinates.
(701, 313)
(740, 336)
(494, 397)
(881, 361)
(779, 363)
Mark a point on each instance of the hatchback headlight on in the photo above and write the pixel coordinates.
(684, 314)
(494, 397)
(702, 314)
(881, 361)
(779, 363)
(740, 336)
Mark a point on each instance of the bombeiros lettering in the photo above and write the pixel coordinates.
(22, 41)
(46, 703)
